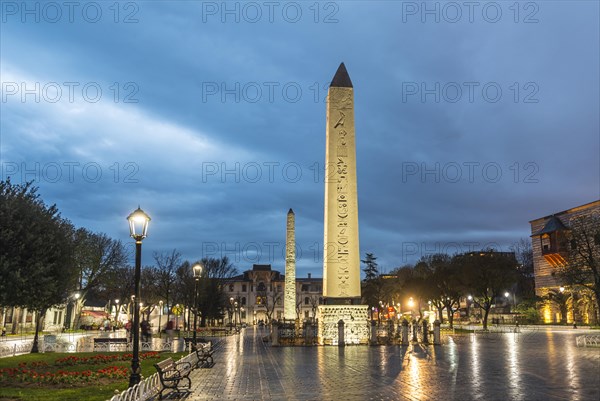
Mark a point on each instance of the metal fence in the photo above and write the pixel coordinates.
(12, 349)
(588, 340)
(290, 333)
(470, 333)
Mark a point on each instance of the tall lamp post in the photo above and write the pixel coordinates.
(116, 312)
(138, 227)
(160, 313)
(235, 311)
(77, 295)
(232, 311)
(197, 272)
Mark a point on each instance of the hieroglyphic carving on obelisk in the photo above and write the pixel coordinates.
(341, 258)
(289, 299)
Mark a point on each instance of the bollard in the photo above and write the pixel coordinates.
(405, 332)
(341, 341)
(308, 338)
(436, 332)
(275, 334)
(373, 332)
(425, 332)
(390, 330)
(414, 330)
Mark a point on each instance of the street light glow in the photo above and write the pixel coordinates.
(197, 269)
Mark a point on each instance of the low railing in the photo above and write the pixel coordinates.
(144, 390)
(588, 340)
(290, 334)
(16, 348)
(149, 387)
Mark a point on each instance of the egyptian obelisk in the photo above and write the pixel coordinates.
(341, 261)
(289, 299)
(341, 255)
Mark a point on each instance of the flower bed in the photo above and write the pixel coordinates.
(101, 359)
(44, 373)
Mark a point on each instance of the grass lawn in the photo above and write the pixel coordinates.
(91, 390)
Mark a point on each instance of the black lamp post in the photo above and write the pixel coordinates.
(138, 227)
(116, 312)
(197, 272)
(160, 312)
(235, 311)
(232, 312)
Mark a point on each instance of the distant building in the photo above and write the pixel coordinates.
(549, 236)
(259, 296)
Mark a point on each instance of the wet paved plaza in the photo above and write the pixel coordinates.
(541, 364)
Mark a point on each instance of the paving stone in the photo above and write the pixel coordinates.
(540, 365)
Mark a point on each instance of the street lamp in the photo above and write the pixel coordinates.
(160, 313)
(469, 301)
(76, 297)
(138, 227)
(235, 311)
(116, 311)
(231, 311)
(197, 269)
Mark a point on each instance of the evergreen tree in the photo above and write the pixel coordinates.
(36, 252)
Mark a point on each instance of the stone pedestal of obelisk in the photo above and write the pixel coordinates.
(289, 296)
(341, 254)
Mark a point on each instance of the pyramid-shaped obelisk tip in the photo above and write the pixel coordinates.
(341, 78)
(291, 211)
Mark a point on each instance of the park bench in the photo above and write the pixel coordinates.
(110, 344)
(203, 351)
(204, 355)
(171, 375)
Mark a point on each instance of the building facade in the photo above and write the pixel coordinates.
(257, 295)
(550, 245)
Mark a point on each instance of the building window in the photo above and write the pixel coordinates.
(306, 315)
(320, 300)
(261, 287)
(259, 301)
(279, 313)
(244, 288)
(278, 301)
(304, 288)
(279, 288)
(243, 300)
(306, 301)
(230, 287)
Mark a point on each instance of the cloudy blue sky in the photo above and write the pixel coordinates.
(472, 119)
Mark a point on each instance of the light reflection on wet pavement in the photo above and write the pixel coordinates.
(541, 365)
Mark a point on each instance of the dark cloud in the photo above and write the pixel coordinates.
(218, 171)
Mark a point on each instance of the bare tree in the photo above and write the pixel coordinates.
(583, 258)
(298, 305)
(270, 299)
(314, 305)
(165, 276)
(96, 257)
(212, 300)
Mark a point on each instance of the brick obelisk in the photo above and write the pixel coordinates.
(289, 298)
(341, 254)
